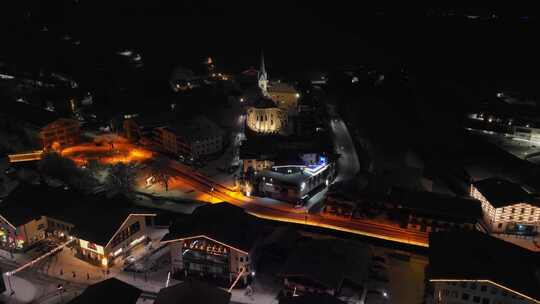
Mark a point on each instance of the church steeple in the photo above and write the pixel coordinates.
(263, 77)
(263, 68)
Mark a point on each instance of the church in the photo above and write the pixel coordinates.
(269, 114)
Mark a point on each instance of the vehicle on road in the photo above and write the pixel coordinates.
(10, 170)
(130, 259)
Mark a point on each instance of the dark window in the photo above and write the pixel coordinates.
(485, 301)
(241, 259)
(473, 286)
(483, 288)
(135, 227)
(500, 225)
(513, 210)
(522, 210)
(476, 299)
(465, 296)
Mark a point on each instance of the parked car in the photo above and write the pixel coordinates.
(10, 170)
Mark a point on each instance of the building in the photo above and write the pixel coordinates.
(285, 96)
(60, 133)
(196, 138)
(264, 117)
(217, 242)
(121, 230)
(104, 230)
(25, 216)
(473, 267)
(140, 128)
(286, 168)
(108, 291)
(28, 120)
(192, 291)
(296, 181)
(331, 266)
(507, 207)
(263, 77)
(430, 212)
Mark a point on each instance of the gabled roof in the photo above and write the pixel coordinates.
(501, 193)
(328, 262)
(28, 202)
(96, 218)
(478, 256)
(440, 205)
(109, 291)
(281, 87)
(221, 222)
(192, 292)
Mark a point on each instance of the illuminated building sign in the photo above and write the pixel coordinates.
(205, 245)
(92, 247)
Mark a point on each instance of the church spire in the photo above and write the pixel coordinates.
(263, 68)
(263, 77)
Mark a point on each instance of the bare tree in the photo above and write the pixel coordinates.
(161, 171)
(64, 169)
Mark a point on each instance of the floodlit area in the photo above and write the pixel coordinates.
(107, 152)
(525, 149)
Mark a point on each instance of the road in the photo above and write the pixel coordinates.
(295, 215)
(348, 164)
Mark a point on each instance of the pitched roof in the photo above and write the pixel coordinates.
(264, 103)
(222, 222)
(500, 192)
(29, 202)
(98, 220)
(192, 292)
(440, 205)
(108, 291)
(281, 87)
(478, 256)
(328, 262)
(197, 128)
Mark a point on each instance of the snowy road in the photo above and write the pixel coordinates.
(348, 164)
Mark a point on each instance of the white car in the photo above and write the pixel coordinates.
(130, 259)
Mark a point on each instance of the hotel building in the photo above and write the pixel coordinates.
(331, 266)
(473, 267)
(103, 231)
(217, 242)
(507, 207)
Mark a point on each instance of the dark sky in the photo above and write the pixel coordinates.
(294, 34)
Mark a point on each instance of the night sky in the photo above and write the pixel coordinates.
(479, 54)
